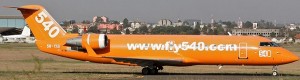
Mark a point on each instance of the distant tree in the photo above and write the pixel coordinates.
(171, 30)
(126, 23)
(189, 32)
(184, 28)
(269, 25)
(215, 32)
(93, 29)
(86, 22)
(297, 29)
(229, 24)
(72, 21)
(135, 31)
(182, 32)
(99, 20)
(204, 30)
(272, 34)
(292, 33)
(159, 30)
(127, 31)
(219, 31)
(75, 29)
(210, 32)
(115, 22)
(115, 31)
(65, 23)
(143, 30)
(265, 24)
(248, 24)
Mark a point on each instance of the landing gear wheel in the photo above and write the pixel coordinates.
(160, 68)
(274, 73)
(146, 71)
(156, 71)
(153, 71)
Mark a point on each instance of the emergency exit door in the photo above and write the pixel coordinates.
(243, 51)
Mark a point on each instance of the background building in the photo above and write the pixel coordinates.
(164, 22)
(261, 32)
(11, 25)
(104, 19)
(103, 27)
(254, 25)
(136, 25)
(12, 21)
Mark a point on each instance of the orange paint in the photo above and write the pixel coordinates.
(156, 50)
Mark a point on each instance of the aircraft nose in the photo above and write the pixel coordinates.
(292, 58)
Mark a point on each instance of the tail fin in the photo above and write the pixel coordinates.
(26, 31)
(41, 23)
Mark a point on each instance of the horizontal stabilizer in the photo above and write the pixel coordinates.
(20, 8)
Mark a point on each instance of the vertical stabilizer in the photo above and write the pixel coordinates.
(26, 31)
(41, 23)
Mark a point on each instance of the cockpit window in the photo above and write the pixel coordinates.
(271, 44)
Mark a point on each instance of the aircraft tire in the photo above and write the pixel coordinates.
(153, 71)
(146, 71)
(156, 71)
(274, 73)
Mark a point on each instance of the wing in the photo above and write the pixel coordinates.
(147, 61)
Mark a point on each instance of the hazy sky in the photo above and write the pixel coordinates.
(283, 11)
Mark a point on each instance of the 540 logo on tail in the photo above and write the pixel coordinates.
(53, 31)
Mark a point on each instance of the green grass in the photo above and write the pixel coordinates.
(17, 46)
(29, 75)
(48, 60)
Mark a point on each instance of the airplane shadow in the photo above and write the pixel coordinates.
(165, 73)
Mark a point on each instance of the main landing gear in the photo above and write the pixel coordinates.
(274, 73)
(151, 70)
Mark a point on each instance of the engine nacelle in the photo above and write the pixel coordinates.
(95, 41)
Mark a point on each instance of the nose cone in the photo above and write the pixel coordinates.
(294, 58)
(291, 58)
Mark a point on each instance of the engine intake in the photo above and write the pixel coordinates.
(95, 41)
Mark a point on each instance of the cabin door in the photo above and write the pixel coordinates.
(243, 51)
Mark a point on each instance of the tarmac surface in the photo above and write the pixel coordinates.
(25, 62)
(218, 77)
(202, 76)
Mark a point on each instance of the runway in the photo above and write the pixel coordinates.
(213, 76)
(18, 62)
(199, 76)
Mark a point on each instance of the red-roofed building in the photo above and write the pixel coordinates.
(109, 26)
(297, 38)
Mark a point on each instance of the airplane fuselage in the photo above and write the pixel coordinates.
(192, 49)
(153, 51)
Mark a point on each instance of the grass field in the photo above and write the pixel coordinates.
(24, 62)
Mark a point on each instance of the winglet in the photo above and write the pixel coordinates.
(20, 8)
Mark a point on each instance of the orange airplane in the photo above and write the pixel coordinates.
(153, 51)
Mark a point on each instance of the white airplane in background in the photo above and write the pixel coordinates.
(18, 38)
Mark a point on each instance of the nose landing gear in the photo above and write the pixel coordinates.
(274, 73)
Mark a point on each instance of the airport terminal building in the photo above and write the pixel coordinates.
(10, 25)
(263, 32)
(12, 21)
